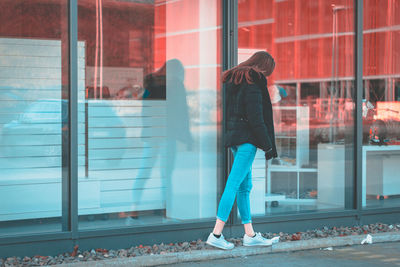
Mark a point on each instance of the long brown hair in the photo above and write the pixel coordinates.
(259, 63)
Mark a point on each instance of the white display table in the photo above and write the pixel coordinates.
(380, 171)
(331, 174)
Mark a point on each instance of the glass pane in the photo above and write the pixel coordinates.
(150, 112)
(312, 94)
(381, 104)
(33, 115)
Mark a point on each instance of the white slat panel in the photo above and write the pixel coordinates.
(27, 50)
(15, 140)
(35, 204)
(127, 103)
(122, 143)
(47, 107)
(37, 62)
(259, 163)
(31, 49)
(127, 196)
(123, 111)
(7, 118)
(127, 132)
(32, 151)
(51, 129)
(51, 106)
(28, 41)
(27, 100)
(32, 127)
(132, 184)
(114, 164)
(126, 174)
(26, 163)
(121, 122)
(32, 97)
(89, 194)
(258, 173)
(34, 174)
(127, 153)
(33, 199)
(37, 42)
(43, 117)
(260, 154)
(30, 73)
(12, 83)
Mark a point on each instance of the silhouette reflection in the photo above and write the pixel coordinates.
(165, 84)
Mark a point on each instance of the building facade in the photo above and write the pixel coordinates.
(111, 118)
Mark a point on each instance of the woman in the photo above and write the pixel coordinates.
(249, 126)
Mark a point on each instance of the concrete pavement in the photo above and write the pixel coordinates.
(380, 254)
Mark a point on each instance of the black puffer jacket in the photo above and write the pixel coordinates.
(249, 114)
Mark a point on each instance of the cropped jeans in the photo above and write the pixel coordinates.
(239, 183)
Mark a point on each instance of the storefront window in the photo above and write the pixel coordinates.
(150, 114)
(312, 90)
(33, 115)
(381, 104)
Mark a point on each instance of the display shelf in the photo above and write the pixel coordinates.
(292, 140)
(292, 136)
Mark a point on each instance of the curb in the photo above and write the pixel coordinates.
(202, 255)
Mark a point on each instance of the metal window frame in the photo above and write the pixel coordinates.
(358, 67)
(64, 241)
(230, 55)
(73, 119)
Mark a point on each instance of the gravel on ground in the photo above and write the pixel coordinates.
(97, 254)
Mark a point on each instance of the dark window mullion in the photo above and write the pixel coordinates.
(70, 186)
(358, 99)
(230, 55)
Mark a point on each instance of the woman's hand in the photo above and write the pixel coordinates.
(269, 154)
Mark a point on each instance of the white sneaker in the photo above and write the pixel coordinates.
(259, 240)
(219, 242)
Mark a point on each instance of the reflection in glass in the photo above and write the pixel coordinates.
(150, 118)
(312, 94)
(33, 116)
(381, 105)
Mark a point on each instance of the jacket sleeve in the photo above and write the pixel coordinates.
(254, 115)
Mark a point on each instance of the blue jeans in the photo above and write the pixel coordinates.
(239, 183)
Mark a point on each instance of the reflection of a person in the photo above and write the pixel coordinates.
(165, 84)
(155, 84)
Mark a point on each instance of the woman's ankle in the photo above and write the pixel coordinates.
(219, 226)
(251, 234)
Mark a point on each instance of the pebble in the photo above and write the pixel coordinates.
(101, 254)
(319, 233)
(123, 253)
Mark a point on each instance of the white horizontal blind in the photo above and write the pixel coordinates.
(31, 122)
(126, 152)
